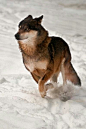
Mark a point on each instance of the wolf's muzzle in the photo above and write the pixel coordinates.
(17, 36)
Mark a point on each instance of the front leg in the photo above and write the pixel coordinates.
(35, 77)
(42, 80)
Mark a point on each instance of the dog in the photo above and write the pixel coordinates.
(44, 56)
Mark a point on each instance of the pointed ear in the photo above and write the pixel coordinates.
(39, 19)
(29, 17)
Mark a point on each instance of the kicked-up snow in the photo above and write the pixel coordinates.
(21, 106)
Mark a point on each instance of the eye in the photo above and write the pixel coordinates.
(19, 27)
(27, 29)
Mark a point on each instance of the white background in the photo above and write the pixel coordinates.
(21, 106)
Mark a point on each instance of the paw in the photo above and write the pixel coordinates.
(43, 94)
(49, 86)
(65, 98)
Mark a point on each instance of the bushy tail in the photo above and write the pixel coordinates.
(71, 75)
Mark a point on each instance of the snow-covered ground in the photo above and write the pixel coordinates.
(21, 106)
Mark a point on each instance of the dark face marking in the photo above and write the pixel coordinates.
(26, 25)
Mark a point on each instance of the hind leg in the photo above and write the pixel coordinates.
(53, 80)
(63, 71)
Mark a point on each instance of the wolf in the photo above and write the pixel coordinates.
(44, 56)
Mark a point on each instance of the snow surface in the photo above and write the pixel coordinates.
(21, 106)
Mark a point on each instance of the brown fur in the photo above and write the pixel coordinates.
(45, 57)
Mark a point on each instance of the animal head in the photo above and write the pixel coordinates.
(29, 27)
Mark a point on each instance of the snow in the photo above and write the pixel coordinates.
(21, 106)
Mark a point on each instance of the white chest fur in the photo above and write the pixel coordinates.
(32, 65)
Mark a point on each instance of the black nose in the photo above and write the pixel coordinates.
(17, 36)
